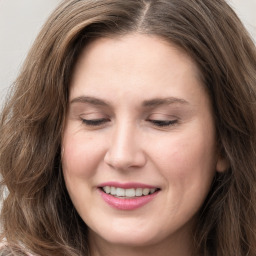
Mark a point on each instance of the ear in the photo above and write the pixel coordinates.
(222, 163)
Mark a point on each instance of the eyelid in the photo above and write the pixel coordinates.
(162, 120)
(161, 116)
(95, 122)
(94, 119)
(93, 115)
(163, 123)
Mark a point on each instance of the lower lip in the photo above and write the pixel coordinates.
(127, 203)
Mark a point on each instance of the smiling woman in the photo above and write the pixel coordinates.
(132, 131)
(130, 159)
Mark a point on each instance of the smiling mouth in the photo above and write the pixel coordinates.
(128, 193)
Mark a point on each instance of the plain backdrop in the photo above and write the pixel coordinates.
(21, 20)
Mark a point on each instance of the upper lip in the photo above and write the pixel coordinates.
(125, 185)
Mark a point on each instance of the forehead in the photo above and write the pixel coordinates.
(143, 50)
(133, 63)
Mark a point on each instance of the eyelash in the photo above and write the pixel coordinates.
(158, 123)
(162, 123)
(94, 122)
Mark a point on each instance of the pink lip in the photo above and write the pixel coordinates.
(125, 185)
(126, 203)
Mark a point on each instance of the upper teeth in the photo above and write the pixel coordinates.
(130, 192)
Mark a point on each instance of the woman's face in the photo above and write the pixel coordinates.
(139, 145)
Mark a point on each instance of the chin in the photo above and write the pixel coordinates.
(131, 238)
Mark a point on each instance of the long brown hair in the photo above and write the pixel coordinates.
(37, 213)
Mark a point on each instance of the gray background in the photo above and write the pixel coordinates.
(20, 21)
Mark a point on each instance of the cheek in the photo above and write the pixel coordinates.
(188, 171)
(188, 162)
(81, 155)
(80, 160)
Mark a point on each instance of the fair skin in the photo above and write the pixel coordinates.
(138, 113)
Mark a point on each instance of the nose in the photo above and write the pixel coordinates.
(125, 149)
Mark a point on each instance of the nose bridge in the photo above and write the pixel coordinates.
(125, 149)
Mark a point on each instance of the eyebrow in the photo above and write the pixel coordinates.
(147, 103)
(90, 100)
(163, 101)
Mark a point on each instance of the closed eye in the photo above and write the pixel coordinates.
(162, 123)
(95, 122)
(102, 121)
